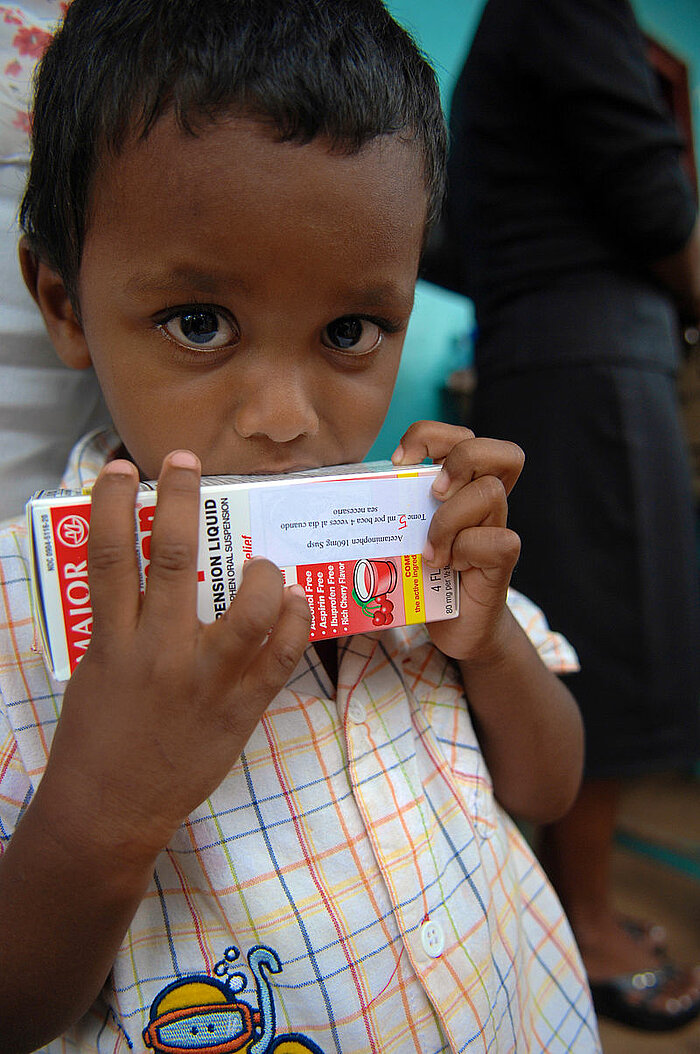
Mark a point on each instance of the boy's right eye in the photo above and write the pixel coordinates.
(200, 328)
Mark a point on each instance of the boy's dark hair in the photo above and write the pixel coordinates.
(341, 69)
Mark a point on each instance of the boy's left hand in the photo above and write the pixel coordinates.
(469, 530)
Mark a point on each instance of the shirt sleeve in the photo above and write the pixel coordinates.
(554, 650)
(586, 58)
(15, 785)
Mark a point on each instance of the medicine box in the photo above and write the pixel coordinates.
(351, 535)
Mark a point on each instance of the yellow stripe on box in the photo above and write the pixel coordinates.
(413, 596)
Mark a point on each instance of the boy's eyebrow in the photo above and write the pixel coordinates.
(181, 279)
(385, 297)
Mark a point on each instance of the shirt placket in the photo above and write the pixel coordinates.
(382, 765)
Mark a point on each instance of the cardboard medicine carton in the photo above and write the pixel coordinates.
(351, 535)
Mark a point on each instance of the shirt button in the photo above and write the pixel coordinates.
(433, 939)
(356, 711)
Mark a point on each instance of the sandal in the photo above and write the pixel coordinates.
(628, 999)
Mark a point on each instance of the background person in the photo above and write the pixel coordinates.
(573, 228)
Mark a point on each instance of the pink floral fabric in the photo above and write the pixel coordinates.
(25, 32)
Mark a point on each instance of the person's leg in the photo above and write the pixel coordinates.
(576, 852)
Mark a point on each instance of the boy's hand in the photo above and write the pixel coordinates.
(469, 531)
(162, 705)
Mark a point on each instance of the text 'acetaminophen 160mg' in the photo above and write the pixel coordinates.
(350, 535)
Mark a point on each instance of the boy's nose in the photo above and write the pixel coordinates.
(281, 409)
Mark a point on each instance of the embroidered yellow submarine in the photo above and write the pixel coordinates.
(202, 1014)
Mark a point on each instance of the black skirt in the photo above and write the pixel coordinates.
(609, 550)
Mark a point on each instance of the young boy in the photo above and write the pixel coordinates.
(217, 838)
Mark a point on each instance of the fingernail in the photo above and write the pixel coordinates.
(442, 483)
(250, 560)
(397, 456)
(298, 590)
(184, 459)
(120, 467)
(428, 553)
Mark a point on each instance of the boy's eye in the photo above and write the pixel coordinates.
(352, 333)
(202, 328)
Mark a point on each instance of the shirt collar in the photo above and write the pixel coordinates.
(88, 457)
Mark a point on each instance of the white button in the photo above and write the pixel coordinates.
(433, 939)
(356, 711)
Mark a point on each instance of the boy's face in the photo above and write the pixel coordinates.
(248, 299)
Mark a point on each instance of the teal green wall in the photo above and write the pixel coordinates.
(676, 25)
(443, 29)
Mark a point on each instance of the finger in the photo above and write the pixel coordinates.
(474, 458)
(432, 439)
(279, 656)
(493, 550)
(171, 589)
(482, 502)
(112, 567)
(239, 634)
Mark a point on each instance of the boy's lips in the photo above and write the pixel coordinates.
(275, 470)
(269, 467)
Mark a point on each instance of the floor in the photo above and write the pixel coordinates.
(657, 877)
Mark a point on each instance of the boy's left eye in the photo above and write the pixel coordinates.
(200, 328)
(352, 333)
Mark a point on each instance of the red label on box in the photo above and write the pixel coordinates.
(71, 527)
(352, 596)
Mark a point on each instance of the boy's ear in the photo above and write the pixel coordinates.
(60, 319)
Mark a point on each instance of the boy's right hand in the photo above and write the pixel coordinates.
(161, 706)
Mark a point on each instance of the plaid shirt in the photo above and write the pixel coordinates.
(352, 885)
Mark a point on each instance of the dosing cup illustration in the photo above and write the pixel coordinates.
(373, 578)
